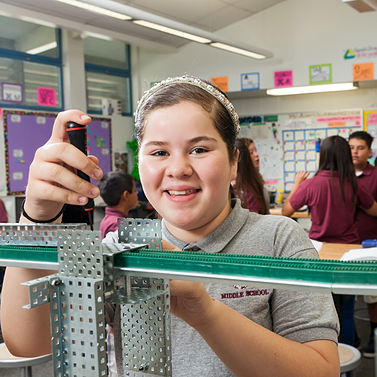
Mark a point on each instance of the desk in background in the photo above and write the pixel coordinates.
(336, 250)
(295, 215)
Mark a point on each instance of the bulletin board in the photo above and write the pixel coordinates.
(370, 125)
(286, 142)
(25, 132)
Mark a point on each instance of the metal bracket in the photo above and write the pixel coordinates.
(39, 291)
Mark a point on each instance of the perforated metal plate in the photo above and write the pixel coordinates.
(146, 333)
(77, 306)
(78, 328)
(140, 231)
(80, 253)
(33, 234)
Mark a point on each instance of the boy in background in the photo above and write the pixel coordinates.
(361, 148)
(118, 191)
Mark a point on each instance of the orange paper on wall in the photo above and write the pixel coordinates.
(363, 71)
(221, 82)
(337, 124)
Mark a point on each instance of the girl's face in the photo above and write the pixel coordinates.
(254, 155)
(185, 170)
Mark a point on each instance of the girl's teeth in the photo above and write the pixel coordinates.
(179, 193)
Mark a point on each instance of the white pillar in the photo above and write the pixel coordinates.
(73, 71)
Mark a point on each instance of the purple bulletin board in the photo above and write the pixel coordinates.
(25, 132)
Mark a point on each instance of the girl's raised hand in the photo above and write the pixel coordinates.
(52, 175)
(301, 176)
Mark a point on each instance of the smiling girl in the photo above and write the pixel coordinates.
(186, 131)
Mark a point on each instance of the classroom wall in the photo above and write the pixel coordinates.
(300, 33)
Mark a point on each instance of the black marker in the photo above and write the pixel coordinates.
(77, 134)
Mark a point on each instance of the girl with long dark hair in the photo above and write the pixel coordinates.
(332, 195)
(249, 184)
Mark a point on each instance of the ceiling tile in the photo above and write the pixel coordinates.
(180, 10)
(222, 18)
(256, 6)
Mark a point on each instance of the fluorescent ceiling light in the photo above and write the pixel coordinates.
(165, 25)
(96, 35)
(311, 89)
(237, 50)
(169, 30)
(96, 9)
(46, 47)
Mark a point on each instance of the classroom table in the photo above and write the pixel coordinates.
(295, 215)
(336, 250)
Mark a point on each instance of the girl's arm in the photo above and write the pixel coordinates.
(52, 182)
(372, 210)
(288, 210)
(246, 348)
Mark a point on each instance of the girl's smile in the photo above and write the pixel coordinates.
(185, 170)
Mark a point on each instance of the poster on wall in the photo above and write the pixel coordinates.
(25, 132)
(121, 161)
(11, 92)
(221, 82)
(370, 126)
(320, 74)
(363, 71)
(250, 81)
(283, 79)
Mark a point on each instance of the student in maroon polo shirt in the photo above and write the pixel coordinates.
(118, 191)
(360, 143)
(332, 195)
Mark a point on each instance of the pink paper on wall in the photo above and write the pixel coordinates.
(283, 78)
(46, 96)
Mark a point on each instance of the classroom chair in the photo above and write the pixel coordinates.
(7, 360)
(350, 359)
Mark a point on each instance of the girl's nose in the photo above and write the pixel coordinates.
(179, 167)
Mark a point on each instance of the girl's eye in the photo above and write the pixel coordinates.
(159, 153)
(199, 150)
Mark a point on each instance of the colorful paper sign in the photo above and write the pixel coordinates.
(46, 96)
(363, 71)
(221, 82)
(283, 78)
(250, 81)
(11, 92)
(320, 74)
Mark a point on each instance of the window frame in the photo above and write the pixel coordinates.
(36, 59)
(96, 68)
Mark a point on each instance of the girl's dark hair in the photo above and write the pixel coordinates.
(248, 178)
(113, 184)
(179, 92)
(335, 155)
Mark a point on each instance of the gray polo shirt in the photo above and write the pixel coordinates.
(298, 316)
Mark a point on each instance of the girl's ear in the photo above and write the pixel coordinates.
(234, 165)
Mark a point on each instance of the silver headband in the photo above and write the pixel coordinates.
(193, 81)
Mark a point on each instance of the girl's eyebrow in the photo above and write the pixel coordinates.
(191, 141)
(202, 138)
